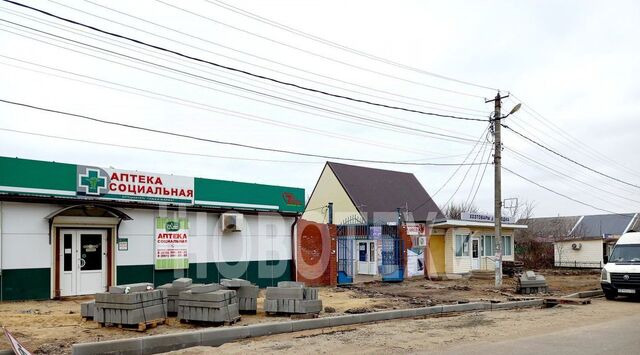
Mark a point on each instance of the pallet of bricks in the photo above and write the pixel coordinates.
(136, 306)
(246, 292)
(530, 283)
(209, 303)
(173, 292)
(292, 298)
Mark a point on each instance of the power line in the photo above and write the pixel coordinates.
(240, 70)
(527, 160)
(484, 170)
(130, 46)
(557, 193)
(261, 58)
(464, 177)
(410, 130)
(235, 144)
(157, 150)
(566, 138)
(567, 158)
(316, 54)
(337, 45)
(452, 175)
(198, 105)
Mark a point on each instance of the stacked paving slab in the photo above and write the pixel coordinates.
(88, 309)
(292, 298)
(246, 292)
(209, 303)
(173, 292)
(530, 283)
(132, 304)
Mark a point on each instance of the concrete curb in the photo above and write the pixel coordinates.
(586, 294)
(218, 336)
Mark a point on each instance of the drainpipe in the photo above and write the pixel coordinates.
(330, 212)
(293, 249)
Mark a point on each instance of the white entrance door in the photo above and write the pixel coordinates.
(83, 261)
(367, 260)
(475, 253)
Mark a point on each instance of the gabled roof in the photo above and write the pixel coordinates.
(545, 227)
(604, 224)
(377, 191)
(582, 227)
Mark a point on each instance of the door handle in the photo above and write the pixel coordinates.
(82, 263)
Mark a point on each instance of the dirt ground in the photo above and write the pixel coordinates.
(50, 327)
(432, 334)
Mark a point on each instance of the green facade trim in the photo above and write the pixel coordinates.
(25, 284)
(37, 174)
(54, 179)
(288, 199)
(262, 273)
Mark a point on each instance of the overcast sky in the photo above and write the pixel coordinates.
(573, 63)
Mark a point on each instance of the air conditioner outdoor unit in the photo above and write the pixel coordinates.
(422, 241)
(232, 222)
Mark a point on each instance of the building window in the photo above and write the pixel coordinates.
(462, 245)
(489, 243)
(506, 245)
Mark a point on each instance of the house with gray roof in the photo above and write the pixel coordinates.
(582, 241)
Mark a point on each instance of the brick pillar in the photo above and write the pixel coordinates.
(316, 253)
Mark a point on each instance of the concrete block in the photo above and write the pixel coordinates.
(306, 306)
(182, 282)
(285, 293)
(290, 284)
(347, 319)
(206, 288)
(258, 330)
(379, 316)
(310, 293)
(131, 346)
(308, 324)
(247, 291)
(215, 296)
(88, 309)
(475, 306)
(136, 287)
(529, 275)
(271, 306)
(516, 304)
(426, 311)
(219, 336)
(170, 342)
(234, 283)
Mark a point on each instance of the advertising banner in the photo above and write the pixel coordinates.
(113, 184)
(172, 243)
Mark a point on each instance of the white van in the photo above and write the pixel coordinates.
(621, 274)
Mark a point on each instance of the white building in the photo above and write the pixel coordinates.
(69, 229)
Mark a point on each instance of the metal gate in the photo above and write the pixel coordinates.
(391, 266)
(392, 263)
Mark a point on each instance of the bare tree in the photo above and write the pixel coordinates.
(454, 209)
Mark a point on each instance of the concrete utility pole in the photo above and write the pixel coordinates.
(497, 165)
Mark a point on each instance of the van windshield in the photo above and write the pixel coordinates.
(629, 253)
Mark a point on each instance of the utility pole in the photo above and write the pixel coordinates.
(497, 165)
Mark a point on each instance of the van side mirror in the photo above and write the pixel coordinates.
(606, 259)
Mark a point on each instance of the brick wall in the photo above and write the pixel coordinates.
(316, 263)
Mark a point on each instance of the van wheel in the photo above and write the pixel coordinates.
(610, 295)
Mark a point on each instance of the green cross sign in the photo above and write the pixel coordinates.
(93, 182)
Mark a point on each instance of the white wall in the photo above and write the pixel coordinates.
(591, 252)
(462, 264)
(263, 237)
(25, 235)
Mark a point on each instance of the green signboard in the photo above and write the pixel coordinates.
(172, 243)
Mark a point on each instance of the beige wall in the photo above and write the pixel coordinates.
(462, 264)
(328, 189)
(590, 252)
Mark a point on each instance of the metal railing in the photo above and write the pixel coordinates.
(579, 264)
